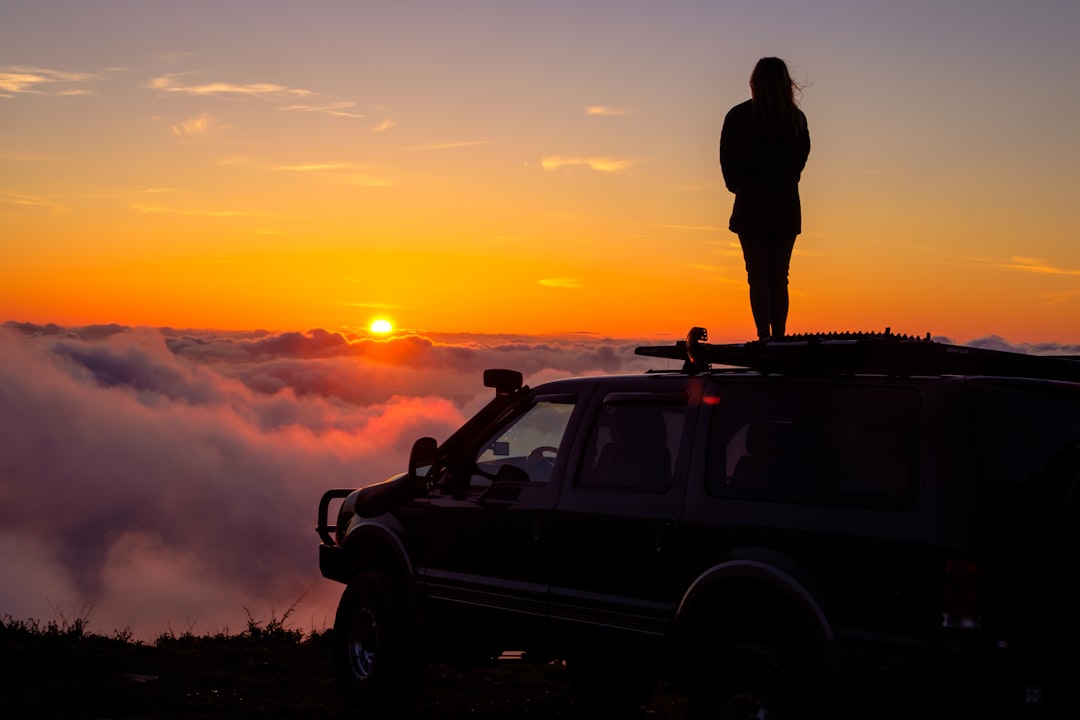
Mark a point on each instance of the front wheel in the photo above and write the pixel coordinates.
(754, 682)
(374, 658)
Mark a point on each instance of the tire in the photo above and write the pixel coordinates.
(753, 682)
(374, 657)
(611, 686)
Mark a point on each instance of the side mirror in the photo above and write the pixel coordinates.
(504, 381)
(422, 458)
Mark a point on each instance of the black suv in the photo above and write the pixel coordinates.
(788, 528)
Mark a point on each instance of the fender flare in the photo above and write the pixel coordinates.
(770, 576)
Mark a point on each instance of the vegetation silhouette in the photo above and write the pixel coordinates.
(270, 669)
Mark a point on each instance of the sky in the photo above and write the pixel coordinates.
(511, 167)
(204, 205)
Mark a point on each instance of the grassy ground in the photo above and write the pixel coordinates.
(267, 672)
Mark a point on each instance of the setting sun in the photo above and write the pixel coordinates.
(381, 326)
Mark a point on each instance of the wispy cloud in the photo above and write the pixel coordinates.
(1036, 265)
(15, 80)
(317, 167)
(337, 109)
(32, 201)
(599, 164)
(449, 145)
(561, 282)
(196, 212)
(192, 127)
(383, 126)
(607, 111)
(341, 171)
(173, 84)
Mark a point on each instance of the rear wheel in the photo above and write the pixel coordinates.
(753, 682)
(374, 658)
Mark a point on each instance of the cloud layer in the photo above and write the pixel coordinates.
(169, 479)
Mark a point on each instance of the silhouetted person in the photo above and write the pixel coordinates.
(763, 149)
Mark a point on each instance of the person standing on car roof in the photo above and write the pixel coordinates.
(764, 145)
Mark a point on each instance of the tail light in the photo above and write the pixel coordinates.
(961, 603)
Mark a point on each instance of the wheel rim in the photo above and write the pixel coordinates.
(362, 644)
(744, 706)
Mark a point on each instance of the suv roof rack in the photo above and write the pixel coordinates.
(872, 353)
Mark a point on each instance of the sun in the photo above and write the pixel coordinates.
(381, 326)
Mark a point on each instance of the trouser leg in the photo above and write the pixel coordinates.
(756, 256)
(768, 258)
(779, 262)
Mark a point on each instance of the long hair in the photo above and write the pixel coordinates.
(773, 94)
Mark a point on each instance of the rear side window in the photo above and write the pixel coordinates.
(1018, 433)
(838, 445)
(634, 442)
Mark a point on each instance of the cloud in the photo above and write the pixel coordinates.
(171, 84)
(179, 470)
(192, 127)
(383, 126)
(16, 80)
(351, 178)
(31, 201)
(1036, 265)
(336, 109)
(449, 145)
(600, 164)
(606, 111)
(561, 282)
(316, 167)
(996, 342)
(196, 212)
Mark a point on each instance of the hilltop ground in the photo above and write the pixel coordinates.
(264, 672)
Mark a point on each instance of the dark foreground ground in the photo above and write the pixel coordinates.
(69, 674)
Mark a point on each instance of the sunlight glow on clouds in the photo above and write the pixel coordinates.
(449, 145)
(606, 111)
(314, 167)
(31, 201)
(337, 109)
(1036, 265)
(600, 164)
(167, 83)
(42, 81)
(192, 127)
(198, 458)
(561, 282)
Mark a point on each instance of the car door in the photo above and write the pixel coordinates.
(481, 562)
(609, 529)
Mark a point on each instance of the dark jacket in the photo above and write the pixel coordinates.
(764, 175)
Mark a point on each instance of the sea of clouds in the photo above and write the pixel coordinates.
(158, 480)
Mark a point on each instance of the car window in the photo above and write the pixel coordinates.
(855, 445)
(1018, 433)
(530, 441)
(634, 444)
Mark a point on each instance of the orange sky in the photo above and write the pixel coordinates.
(486, 168)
